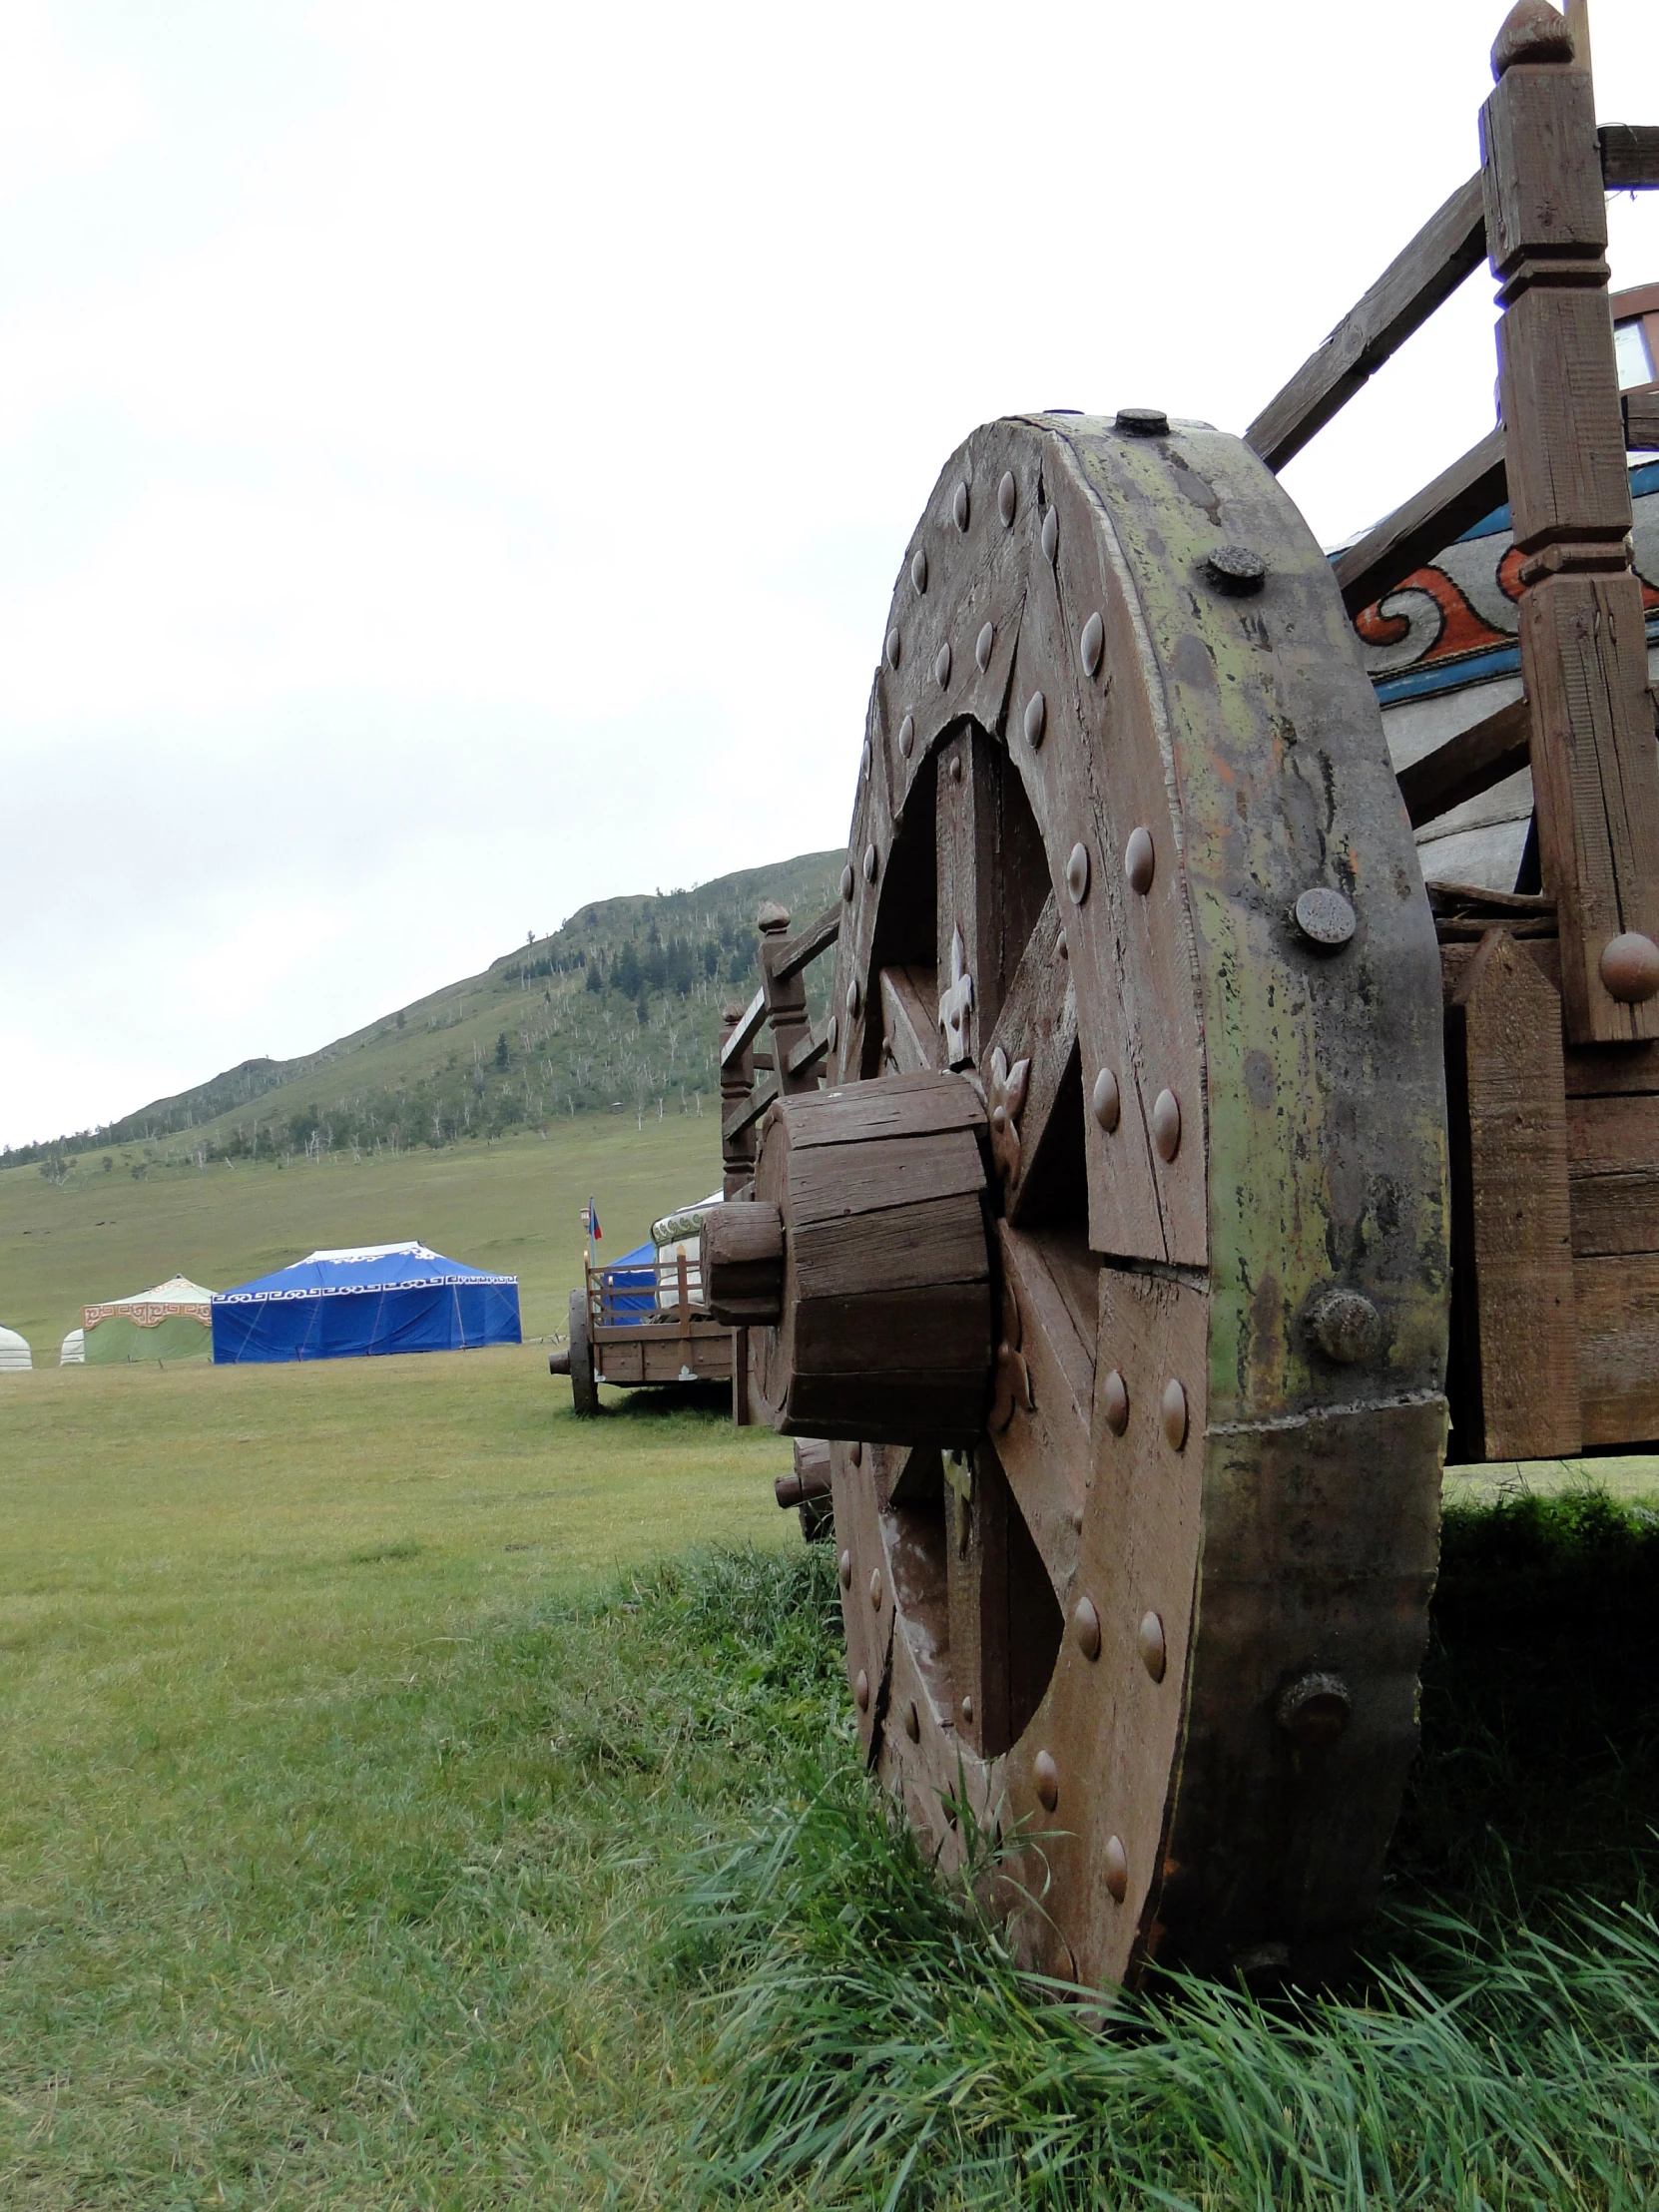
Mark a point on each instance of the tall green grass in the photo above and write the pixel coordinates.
(875, 2043)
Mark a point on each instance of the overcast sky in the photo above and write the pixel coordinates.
(454, 461)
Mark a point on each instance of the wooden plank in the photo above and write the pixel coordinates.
(1613, 1171)
(1618, 1327)
(1468, 765)
(1512, 1245)
(1460, 496)
(811, 1050)
(1611, 1070)
(900, 1106)
(976, 1549)
(909, 1020)
(1044, 1449)
(939, 1330)
(1641, 421)
(746, 1115)
(1595, 783)
(747, 1030)
(988, 863)
(801, 950)
(1629, 157)
(829, 1182)
(941, 1240)
(1450, 246)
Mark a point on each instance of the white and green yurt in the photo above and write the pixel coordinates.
(172, 1322)
(14, 1351)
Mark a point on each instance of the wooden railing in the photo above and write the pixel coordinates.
(1536, 210)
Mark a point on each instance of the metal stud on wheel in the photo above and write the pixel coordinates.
(1137, 1496)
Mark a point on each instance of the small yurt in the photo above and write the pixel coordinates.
(362, 1300)
(172, 1322)
(74, 1353)
(14, 1351)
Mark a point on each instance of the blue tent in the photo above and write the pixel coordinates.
(630, 1286)
(352, 1304)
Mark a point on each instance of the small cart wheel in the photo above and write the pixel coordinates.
(584, 1390)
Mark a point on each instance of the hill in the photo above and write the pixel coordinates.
(617, 1012)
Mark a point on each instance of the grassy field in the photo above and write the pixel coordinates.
(321, 1774)
(511, 1205)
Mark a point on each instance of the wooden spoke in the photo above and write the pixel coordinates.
(1454, 502)
(1112, 1267)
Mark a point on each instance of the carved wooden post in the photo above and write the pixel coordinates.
(1582, 638)
(737, 1083)
(786, 998)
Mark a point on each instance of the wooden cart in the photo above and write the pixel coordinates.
(1164, 1129)
(638, 1323)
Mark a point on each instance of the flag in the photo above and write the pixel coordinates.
(590, 1221)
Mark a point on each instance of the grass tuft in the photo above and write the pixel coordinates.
(874, 2041)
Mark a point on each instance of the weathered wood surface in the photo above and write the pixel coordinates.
(1153, 767)
(798, 954)
(740, 1261)
(1629, 157)
(1613, 1166)
(1618, 1327)
(1451, 247)
(1457, 498)
(1517, 1373)
(1595, 780)
(637, 1357)
(1595, 772)
(1468, 765)
(1641, 421)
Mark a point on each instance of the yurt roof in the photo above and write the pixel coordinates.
(14, 1350)
(177, 1294)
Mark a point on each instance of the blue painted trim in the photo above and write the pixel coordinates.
(1474, 668)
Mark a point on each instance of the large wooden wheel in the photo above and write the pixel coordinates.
(1113, 1256)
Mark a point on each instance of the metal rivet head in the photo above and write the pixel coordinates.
(846, 1571)
(1091, 644)
(1172, 1413)
(999, 1119)
(955, 768)
(1036, 719)
(1324, 917)
(966, 1710)
(918, 568)
(1046, 1776)
(1139, 861)
(870, 863)
(1149, 1641)
(941, 664)
(1007, 499)
(1077, 875)
(983, 646)
(1106, 1100)
(1051, 536)
(1085, 1626)
(847, 880)
(833, 1032)
(961, 508)
(876, 1586)
(860, 1690)
(853, 996)
(1166, 1125)
(1114, 1402)
(864, 760)
(1076, 1519)
(1629, 968)
(1316, 1709)
(1143, 422)
(1236, 570)
(894, 648)
(856, 1452)
(1062, 951)
(1116, 1868)
(1346, 1326)
(913, 1722)
(907, 736)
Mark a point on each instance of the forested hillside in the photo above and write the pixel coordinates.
(618, 1012)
